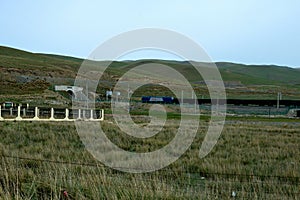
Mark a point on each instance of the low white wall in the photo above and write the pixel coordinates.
(52, 118)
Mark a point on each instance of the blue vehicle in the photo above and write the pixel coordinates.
(157, 99)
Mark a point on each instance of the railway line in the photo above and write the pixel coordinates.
(237, 102)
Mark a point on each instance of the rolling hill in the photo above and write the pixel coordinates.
(23, 72)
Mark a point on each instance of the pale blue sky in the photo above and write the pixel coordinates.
(247, 31)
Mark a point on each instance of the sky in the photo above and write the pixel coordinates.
(247, 31)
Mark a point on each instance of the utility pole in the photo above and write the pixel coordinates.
(87, 93)
(182, 97)
(195, 97)
(128, 91)
(279, 97)
(128, 97)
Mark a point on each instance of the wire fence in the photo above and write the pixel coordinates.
(182, 182)
(293, 179)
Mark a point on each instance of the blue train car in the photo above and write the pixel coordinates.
(156, 99)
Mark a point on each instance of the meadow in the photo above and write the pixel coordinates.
(253, 159)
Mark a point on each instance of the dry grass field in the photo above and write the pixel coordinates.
(253, 159)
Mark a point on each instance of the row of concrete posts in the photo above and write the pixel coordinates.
(81, 115)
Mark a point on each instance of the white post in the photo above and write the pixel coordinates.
(101, 115)
(195, 103)
(181, 96)
(11, 111)
(128, 91)
(92, 117)
(278, 99)
(24, 112)
(128, 97)
(83, 114)
(1, 118)
(19, 113)
(87, 94)
(36, 114)
(218, 105)
(52, 114)
(79, 114)
(67, 114)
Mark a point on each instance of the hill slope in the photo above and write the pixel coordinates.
(24, 72)
(64, 66)
(266, 73)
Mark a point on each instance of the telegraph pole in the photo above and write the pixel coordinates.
(279, 97)
(87, 93)
(182, 97)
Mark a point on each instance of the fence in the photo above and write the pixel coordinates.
(184, 184)
(50, 114)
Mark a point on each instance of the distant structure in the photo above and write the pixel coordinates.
(74, 91)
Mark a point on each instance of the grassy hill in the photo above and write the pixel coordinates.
(38, 64)
(256, 74)
(24, 72)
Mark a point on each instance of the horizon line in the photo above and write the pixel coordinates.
(162, 59)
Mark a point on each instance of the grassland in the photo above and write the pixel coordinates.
(255, 159)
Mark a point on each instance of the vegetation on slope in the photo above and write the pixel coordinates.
(241, 81)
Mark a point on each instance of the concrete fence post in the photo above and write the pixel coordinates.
(36, 113)
(19, 114)
(52, 114)
(83, 114)
(79, 114)
(1, 118)
(67, 114)
(102, 115)
(92, 117)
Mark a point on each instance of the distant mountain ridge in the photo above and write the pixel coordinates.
(27, 63)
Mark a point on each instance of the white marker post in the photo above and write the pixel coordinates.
(67, 114)
(79, 114)
(52, 114)
(279, 97)
(1, 118)
(91, 117)
(36, 114)
(19, 114)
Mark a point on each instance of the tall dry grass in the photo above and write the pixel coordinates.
(256, 160)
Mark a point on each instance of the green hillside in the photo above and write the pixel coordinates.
(26, 73)
(261, 73)
(64, 66)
